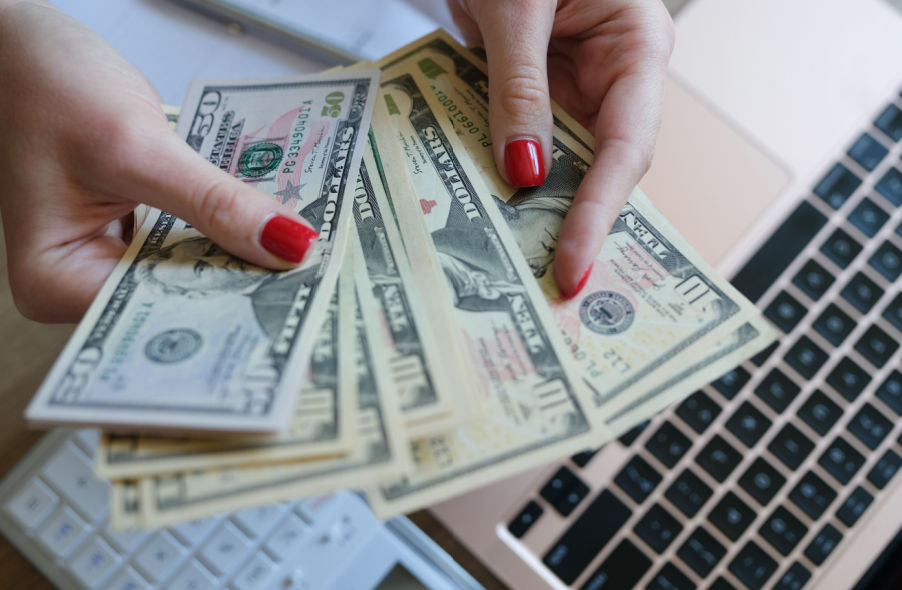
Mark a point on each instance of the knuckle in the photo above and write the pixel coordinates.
(629, 155)
(216, 206)
(523, 92)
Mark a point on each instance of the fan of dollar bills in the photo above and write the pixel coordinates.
(422, 350)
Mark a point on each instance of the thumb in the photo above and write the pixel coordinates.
(516, 38)
(239, 218)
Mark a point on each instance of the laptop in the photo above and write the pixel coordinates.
(779, 159)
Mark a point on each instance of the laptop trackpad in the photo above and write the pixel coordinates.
(707, 178)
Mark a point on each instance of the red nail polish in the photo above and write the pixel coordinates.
(568, 295)
(287, 238)
(524, 162)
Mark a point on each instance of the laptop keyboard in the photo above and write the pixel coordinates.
(755, 480)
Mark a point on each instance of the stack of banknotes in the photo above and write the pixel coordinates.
(422, 350)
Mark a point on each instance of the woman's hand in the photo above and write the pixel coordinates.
(84, 142)
(604, 62)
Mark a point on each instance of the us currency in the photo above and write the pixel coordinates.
(650, 297)
(535, 410)
(424, 378)
(184, 336)
(381, 450)
(323, 424)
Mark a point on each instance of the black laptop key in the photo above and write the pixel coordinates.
(760, 358)
(890, 186)
(795, 578)
(841, 460)
(638, 479)
(812, 495)
(854, 506)
(701, 552)
(779, 251)
(718, 458)
(890, 391)
(820, 412)
(893, 312)
(621, 570)
(868, 217)
(862, 292)
(579, 544)
(870, 426)
(885, 469)
(841, 248)
(721, 584)
(834, 325)
(867, 151)
(783, 530)
(823, 544)
(837, 186)
(761, 481)
(777, 390)
(525, 519)
(753, 566)
(564, 491)
(731, 383)
(848, 378)
(890, 122)
(876, 346)
(688, 493)
(813, 280)
(785, 311)
(583, 457)
(748, 424)
(887, 260)
(698, 411)
(658, 528)
(668, 444)
(670, 578)
(630, 436)
(731, 516)
(791, 446)
(806, 357)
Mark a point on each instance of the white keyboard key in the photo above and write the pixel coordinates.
(287, 538)
(159, 556)
(257, 521)
(33, 504)
(310, 508)
(193, 532)
(255, 574)
(128, 580)
(95, 563)
(88, 439)
(62, 531)
(126, 541)
(225, 550)
(73, 475)
(193, 577)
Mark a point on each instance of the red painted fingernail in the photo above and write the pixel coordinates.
(524, 162)
(568, 295)
(287, 238)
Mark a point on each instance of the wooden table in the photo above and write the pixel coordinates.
(27, 350)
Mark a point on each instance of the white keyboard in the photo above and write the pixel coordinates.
(54, 509)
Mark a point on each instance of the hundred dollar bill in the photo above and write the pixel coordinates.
(323, 424)
(535, 410)
(381, 450)
(650, 297)
(424, 378)
(184, 336)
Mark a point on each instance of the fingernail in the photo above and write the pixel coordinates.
(287, 238)
(568, 295)
(524, 162)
